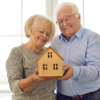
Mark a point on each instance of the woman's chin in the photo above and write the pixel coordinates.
(41, 45)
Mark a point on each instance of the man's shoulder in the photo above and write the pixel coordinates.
(90, 32)
(91, 36)
(56, 42)
(57, 38)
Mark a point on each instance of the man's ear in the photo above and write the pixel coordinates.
(79, 16)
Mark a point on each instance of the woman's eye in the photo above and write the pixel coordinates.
(41, 31)
(48, 34)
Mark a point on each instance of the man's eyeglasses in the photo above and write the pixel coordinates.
(66, 19)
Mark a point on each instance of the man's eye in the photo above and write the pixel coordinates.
(60, 22)
(66, 19)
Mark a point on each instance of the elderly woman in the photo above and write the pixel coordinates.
(22, 66)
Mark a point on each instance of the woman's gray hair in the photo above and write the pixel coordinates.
(36, 22)
(66, 4)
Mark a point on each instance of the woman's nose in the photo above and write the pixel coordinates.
(44, 34)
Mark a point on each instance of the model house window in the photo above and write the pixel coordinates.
(45, 67)
(49, 54)
(55, 66)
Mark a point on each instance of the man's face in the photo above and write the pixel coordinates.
(68, 23)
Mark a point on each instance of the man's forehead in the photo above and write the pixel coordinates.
(65, 11)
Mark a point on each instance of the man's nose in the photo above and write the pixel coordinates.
(64, 23)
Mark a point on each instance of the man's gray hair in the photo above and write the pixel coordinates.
(66, 4)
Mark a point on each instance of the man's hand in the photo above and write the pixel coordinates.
(67, 74)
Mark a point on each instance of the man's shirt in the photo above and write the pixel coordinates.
(82, 52)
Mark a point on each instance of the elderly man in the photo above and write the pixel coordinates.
(80, 48)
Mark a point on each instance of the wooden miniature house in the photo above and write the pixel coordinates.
(50, 63)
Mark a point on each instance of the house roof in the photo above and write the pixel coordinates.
(45, 52)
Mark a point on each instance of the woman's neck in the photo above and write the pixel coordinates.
(33, 47)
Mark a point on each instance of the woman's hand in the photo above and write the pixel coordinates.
(37, 78)
(27, 83)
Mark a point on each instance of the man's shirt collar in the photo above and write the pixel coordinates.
(78, 34)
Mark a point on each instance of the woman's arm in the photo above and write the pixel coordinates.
(14, 67)
(26, 84)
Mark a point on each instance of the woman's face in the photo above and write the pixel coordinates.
(40, 37)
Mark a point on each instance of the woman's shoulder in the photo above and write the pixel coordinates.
(45, 47)
(15, 51)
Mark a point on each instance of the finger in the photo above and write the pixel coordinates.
(59, 78)
(36, 71)
(56, 78)
(65, 75)
(43, 80)
(65, 67)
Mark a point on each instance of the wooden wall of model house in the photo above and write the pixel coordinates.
(50, 64)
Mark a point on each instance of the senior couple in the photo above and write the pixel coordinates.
(80, 48)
